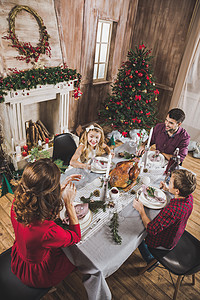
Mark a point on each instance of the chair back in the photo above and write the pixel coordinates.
(184, 258)
(11, 287)
(64, 147)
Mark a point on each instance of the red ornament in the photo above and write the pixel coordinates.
(25, 148)
(47, 140)
(24, 153)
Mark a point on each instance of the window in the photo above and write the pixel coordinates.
(102, 50)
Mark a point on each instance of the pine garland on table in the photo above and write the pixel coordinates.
(114, 224)
(94, 206)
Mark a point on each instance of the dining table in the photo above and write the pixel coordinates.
(97, 255)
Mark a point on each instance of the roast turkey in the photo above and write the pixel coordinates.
(125, 174)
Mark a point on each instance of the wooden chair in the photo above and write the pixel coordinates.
(64, 147)
(183, 259)
(11, 287)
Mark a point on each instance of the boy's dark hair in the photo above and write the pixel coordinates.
(177, 114)
(184, 181)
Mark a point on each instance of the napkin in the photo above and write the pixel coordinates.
(81, 211)
(154, 198)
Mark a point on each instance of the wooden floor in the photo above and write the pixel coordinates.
(124, 284)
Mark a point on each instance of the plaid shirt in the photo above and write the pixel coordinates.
(168, 226)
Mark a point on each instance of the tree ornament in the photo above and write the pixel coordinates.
(131, 94)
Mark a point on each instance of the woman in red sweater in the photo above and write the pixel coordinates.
(37, 257)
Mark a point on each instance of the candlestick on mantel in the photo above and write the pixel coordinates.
(18, 150)
(13, 145)
(149, 139)
(108, 166)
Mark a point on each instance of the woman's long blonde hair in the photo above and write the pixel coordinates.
(37, 197)
(87, 148)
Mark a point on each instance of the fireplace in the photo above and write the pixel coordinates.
(48, 103)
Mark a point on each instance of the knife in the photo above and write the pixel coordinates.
(89, 228)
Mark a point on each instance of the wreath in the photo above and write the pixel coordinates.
(26, 50)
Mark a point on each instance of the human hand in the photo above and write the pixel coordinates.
(112, 153)
(138, 205)
(87, 167)
(69, 194)
(68, 179)
(163, 186)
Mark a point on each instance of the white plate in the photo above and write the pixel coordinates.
(154, 204)
(156, 164)
(97, 170)
(101, 170)
(84, 222)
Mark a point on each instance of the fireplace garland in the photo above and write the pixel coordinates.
(29, 79)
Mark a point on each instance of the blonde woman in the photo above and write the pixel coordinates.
(91, 144)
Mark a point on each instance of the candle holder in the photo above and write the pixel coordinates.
(104, 190)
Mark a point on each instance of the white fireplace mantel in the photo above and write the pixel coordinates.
(16, 100)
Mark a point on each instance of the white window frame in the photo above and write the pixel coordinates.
(98, 44)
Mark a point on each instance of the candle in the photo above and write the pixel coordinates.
(18, 150)
(108, 166)
(13, 145)
(25, 148)
(149, 139)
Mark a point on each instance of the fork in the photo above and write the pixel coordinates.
(90, 227)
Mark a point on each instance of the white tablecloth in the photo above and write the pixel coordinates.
(97, 256)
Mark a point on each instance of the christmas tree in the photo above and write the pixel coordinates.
(133, 102)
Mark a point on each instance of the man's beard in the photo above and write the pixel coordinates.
(172, 130)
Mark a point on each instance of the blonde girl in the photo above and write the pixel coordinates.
(91, 145)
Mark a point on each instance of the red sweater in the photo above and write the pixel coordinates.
(37, 258)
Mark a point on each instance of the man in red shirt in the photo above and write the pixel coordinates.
(170, 135)
(165, 230)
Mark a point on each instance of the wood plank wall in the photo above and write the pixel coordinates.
(79, 39)
(27, 30)
(72, 24)
(163, 26)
